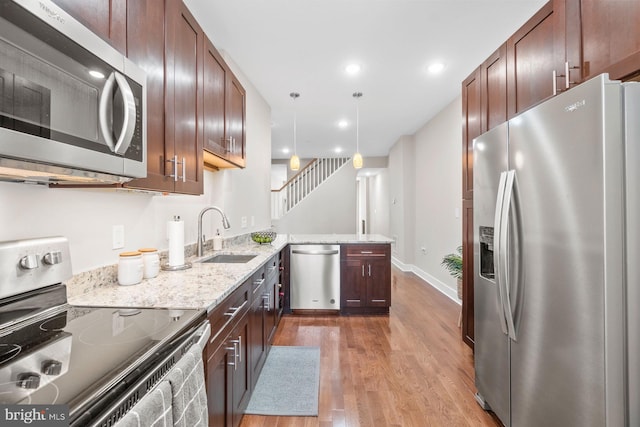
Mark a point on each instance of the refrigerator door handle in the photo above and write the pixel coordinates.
(497, 251)
(505, 251)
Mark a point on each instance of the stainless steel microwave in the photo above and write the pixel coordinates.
(72, 108)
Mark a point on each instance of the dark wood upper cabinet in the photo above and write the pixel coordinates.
(494, 89)
(146, 47)
(215, 95)
(534, 53)
(184, 72)
(471, 127)
(224, 116)
(106, 18)
(604, 36)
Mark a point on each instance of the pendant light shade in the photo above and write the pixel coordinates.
(357, 161)
(357, 157)
(294, 162)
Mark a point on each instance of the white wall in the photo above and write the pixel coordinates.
(379, 203)
(424, 179)
(330, 209)
(86, 217)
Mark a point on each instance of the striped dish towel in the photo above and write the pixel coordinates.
(189, 400)
(153, 410)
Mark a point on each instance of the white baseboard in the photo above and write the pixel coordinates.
(429, 279)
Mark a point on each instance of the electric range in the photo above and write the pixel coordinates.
(52, 353)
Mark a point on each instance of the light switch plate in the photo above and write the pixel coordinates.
(118, 237)
(243, 222)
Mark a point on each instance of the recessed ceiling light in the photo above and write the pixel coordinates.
(97, 74)
(343, 124)
(353, 69)
(285, 150)
(338, 150)
(436, 68)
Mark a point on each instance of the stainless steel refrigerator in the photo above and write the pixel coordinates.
(556, 257)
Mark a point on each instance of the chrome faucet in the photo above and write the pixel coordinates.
(225, 224)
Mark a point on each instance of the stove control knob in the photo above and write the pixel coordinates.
(28, 380)
(29, 262)
(51, 367)
(52, 258)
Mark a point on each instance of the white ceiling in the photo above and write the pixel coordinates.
(304, 46)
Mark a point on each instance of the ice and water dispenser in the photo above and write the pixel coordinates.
(486, 253)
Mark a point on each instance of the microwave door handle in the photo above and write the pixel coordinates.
(129, 120)
(104, 108)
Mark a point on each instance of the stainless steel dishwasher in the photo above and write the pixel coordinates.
(315, 277)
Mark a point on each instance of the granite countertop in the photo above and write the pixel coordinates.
(204, 285)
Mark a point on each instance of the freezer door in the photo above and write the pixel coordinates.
(567, 154)
(491, 348)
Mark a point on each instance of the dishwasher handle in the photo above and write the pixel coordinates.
(325, 252)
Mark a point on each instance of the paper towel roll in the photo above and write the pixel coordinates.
(175, 231)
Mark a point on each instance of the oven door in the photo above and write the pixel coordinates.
(67, 98)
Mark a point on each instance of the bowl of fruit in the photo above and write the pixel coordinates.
(263, 236)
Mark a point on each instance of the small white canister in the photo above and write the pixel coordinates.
(151, 261)
(130, 268)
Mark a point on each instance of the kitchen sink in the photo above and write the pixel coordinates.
(228, 259)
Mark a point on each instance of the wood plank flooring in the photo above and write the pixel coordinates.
(408, 369)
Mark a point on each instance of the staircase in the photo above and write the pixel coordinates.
(303, 183)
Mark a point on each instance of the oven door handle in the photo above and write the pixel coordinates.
(129, 113)
(203, 332)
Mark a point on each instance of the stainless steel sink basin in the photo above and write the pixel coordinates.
(228, 259)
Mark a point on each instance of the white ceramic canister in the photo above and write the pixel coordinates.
(130, 268)
(151, 261)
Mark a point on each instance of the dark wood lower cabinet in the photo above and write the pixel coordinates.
(218, 384)
(365, 279)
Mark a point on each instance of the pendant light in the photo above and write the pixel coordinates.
(357, 157)
(294, 162)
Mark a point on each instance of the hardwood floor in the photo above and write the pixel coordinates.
(408, 369)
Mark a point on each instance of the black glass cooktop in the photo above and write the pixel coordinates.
(73, 353)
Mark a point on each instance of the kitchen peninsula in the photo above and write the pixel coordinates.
(204, 285)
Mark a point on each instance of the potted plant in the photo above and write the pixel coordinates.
(453, 264)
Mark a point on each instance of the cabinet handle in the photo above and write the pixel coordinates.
(233, 311)
(240, 348)
(353, 300)
(366, 252)
(378, 300)
(567, 69)
(184, 170)
(554, 77)
(362, 270)
(369, 270)
(237, 344)
(234, 348)
(174, 175)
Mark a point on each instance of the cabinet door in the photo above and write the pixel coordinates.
(106, 18)
(215, 95)
(241, 374)
(353, 282)
(219, 374)
(145, 47)
(236, 121)
(258, 340)
(467, 272)
(494, 90)
(471, 128)
(534, 52)
(183, 106)
(610, 37)
(378, 282)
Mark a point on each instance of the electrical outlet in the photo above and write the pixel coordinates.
(117, 237)
(457, 213)
(243, 222)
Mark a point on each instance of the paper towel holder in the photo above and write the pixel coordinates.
(167, 267)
